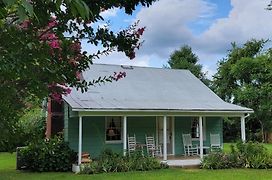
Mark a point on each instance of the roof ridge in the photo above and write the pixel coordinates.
(147, 67)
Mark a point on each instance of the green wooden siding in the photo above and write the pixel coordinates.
(214, 126)
(141, 126)
(183, 126)
(93, 130)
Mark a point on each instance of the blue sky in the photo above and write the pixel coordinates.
(208, 26)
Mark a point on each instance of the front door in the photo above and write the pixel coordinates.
(169, 133)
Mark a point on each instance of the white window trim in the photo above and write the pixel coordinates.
(121, 129)
(204, 130)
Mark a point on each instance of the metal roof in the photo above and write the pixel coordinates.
(146, 88)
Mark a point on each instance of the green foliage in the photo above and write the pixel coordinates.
(256, 155)
(109, 161)
(244, 155)
(244, 78)
(30, 127)
(184, 58)
(48, 155)
(31, 63)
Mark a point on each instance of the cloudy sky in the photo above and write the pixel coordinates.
(208, 26)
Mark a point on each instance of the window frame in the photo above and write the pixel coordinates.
(107, 122)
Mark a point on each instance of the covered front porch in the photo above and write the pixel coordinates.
(167, 130)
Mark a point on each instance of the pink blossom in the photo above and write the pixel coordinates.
(76, 47)
(54, 44)
(51, 36)
(24, 25)
(78, 75)
(140, 31)
(52, 22)
(117, 76)
(131, 55)
(56, 96)
(68, 91)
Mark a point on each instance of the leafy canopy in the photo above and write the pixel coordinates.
(245, 77)
(184, 58)
(40, 50)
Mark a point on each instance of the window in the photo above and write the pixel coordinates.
(195, 128)
(113, 129)
(195, 131)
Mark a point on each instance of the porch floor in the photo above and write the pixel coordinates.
(183, 161)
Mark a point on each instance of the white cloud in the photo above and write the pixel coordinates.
(109, 13)
(168, 27)
(120, 58)
(247, 20)
(166, 24)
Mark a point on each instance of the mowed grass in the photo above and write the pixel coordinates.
(228, 149)
(8, 162)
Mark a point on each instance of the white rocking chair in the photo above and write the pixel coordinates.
(215, 142)
(151, 147)
(189, 148)
(131, 140)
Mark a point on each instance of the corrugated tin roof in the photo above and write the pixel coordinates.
(146, 88)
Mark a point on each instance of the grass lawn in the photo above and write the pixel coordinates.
(227, 147)
(7, 171)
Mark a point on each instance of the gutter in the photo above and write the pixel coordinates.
(166, 110)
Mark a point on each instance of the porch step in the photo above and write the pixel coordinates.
(187, 163)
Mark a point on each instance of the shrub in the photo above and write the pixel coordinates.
(109, 161)
(214, 160)
(247, 155)
(48, 155)
(255, 155)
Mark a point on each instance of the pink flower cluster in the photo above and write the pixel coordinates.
(50, 37)
(77, 56)
(116, 76)
(25, 24)
(76, 47)
(57, 90)
(140, 32)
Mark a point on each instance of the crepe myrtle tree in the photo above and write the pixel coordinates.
(40, 49)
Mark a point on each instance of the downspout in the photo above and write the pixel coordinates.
(247, 115)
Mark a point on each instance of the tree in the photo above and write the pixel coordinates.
(40, 50)
(184, 58)
(245, 77)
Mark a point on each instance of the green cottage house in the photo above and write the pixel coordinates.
(165, 103)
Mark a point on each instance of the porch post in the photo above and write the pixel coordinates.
(125, 134)
(164, 138)
(201, 136)
(79, 139)
(243, 129)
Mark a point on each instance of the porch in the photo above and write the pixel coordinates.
(159, 126)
